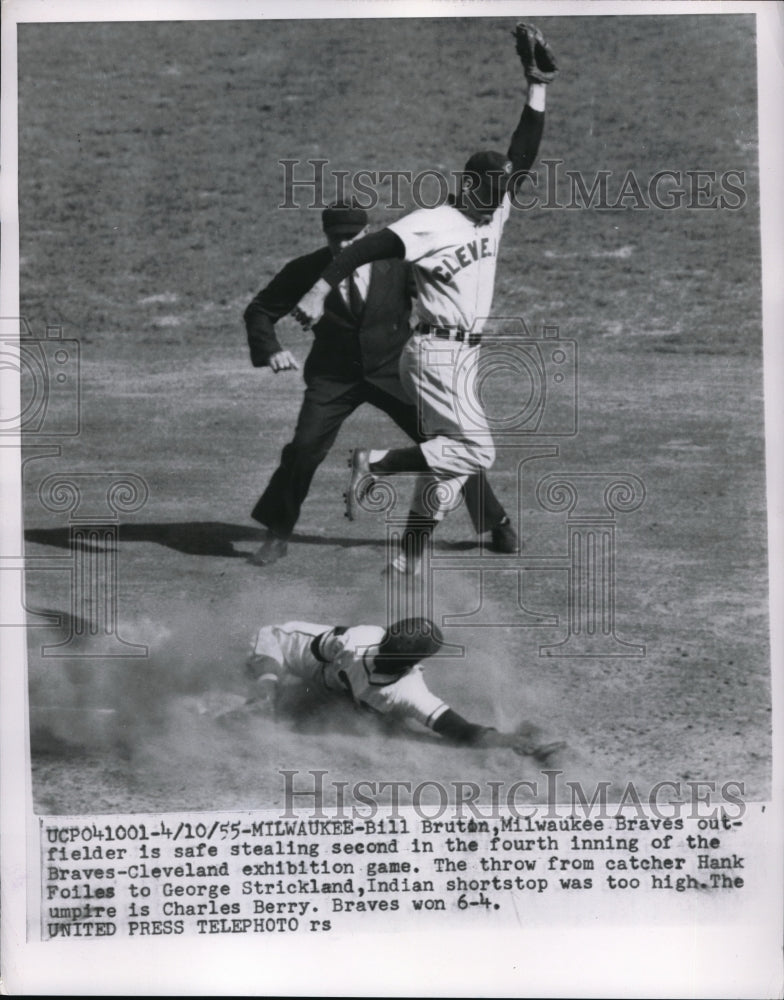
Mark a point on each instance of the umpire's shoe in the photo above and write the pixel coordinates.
(270, 550)
(504, 538)
(361, 482)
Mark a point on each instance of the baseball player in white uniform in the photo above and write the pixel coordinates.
(453, 250)
(379, 669)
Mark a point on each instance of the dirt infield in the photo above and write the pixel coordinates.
(149, 204)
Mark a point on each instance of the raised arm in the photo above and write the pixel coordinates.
(524, 146)
(540, 67)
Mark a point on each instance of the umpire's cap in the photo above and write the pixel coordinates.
(344, 219)
(405, 643)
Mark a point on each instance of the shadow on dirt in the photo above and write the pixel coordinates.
(203, 538)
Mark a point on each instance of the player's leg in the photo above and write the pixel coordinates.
(324, 408)
(264, 674)
(488, 514)
(435, 494)
(419, 528)
(265, 669)
(441, 375)
(484, 508)
(457, 448)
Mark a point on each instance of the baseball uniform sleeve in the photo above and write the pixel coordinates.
(424, 231)
(455, 728)
(374, 246)
(524, 147)
(409, 698)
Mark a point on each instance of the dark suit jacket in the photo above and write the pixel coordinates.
(345, 349)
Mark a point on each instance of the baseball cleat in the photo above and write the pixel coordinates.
(361, 481)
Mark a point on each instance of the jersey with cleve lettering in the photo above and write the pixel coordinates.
(454, 262)
(341, 660)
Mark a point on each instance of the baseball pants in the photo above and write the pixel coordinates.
(441, 375)
(324, 409)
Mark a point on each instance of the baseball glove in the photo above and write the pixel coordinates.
(535, 53)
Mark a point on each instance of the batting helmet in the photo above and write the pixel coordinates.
(405, 643)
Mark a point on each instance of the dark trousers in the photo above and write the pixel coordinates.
(320, 418)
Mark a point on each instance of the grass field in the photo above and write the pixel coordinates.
(149, 194)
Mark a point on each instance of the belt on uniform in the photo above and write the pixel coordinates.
(449, 333)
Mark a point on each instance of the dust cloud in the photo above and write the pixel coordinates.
(175, 724)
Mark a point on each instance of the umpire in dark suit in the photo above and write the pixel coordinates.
(353, 360)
